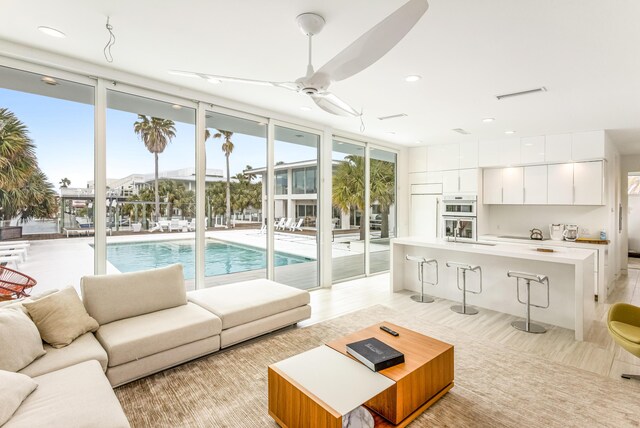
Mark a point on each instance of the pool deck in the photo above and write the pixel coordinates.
(58, 263)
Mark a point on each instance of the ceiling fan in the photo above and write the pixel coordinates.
(359, 55)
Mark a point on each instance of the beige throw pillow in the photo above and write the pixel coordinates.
(20, 342)
(14, 389)
(61, 317)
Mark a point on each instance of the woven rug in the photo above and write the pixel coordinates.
(494, 386)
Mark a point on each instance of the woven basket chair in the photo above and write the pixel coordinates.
(14, 284)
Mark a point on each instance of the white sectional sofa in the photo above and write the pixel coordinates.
(147, 323)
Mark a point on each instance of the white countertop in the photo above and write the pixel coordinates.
(519, 251)
(543, 243)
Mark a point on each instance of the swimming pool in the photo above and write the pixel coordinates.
(220, 258)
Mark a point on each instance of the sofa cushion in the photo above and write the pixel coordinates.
(134, 338)
(61, 317)
(14, 389)
(110, 298)
(20, 341)
(248, 301)
(79, 396)
(84, 348)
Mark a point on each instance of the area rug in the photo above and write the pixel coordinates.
(494, 386)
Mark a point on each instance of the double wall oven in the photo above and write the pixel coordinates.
(459, 217)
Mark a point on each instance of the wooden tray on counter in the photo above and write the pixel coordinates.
(592, 241)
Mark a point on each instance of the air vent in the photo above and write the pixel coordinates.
(393, 116)
(517, 94)
(461, 131)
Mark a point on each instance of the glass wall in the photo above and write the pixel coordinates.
(296, 212)
(348, 200)
(151, 184)
(236, 239)
(46, 171)
(382, 214)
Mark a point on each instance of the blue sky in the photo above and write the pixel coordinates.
(63, 134)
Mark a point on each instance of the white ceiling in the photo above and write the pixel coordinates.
(583, 51)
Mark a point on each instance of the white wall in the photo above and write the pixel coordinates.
(519, 219)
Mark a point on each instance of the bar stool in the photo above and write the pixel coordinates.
(527, 325)
(464, 267)
(423, 298)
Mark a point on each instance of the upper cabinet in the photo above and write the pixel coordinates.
(579, 183)
(587, 183)
(460, 181)
(489, 153)
(557, 148)
(446, 157)
(468, 155)
(532, 150)
(418, 159)
(504, 152)
(442, 157)
(588, 146)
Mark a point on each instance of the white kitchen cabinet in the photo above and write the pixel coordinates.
(417, 177)
(532, 150)
(460, 181)
(492, 186)
(434, 177)
(560, 184)
(468, 155)
(418, 159)
(587, 182)
(450, 181)
(535, 185)
(513, 186)
(443, 157)
(468, 181)
(587, 145)
(557, 148)
(510, 153)
(489, 153)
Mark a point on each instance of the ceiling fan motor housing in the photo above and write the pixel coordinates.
(309, 91)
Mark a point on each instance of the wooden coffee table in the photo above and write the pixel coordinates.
(318, 387)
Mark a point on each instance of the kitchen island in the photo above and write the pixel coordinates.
(570, 272)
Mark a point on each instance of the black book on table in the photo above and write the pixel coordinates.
(375, 354)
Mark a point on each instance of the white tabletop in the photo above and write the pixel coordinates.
(337, 380)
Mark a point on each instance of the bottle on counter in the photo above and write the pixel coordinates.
(603, 235)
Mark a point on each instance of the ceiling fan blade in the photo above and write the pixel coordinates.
(375, 43)
(213, 78)
(332, 104)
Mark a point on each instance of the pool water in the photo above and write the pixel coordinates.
(221, 258)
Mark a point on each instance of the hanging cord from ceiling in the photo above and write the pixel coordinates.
(362, 127)
(112, 41)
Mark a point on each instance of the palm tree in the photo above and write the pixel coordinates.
(250, 175)
(24, 189)
(155, 134)
(227, 148)
(65, 182)
(349, 188)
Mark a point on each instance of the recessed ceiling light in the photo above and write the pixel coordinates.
(49, 80)
(261, 123)
(299, 135)
(412, 78)
(528, 144)
(212, 80)
(488, 119)
(176, 106)
(391, 133)
(305, 108)
(52, 32)
(419, 142)
(509, 132)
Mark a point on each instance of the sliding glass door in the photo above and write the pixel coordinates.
(296, 207)
(348, 204)
(236, 171)
(382, 208)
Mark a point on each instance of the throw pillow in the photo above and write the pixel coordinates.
(61, 317)
(14, 389)
(20, 342)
